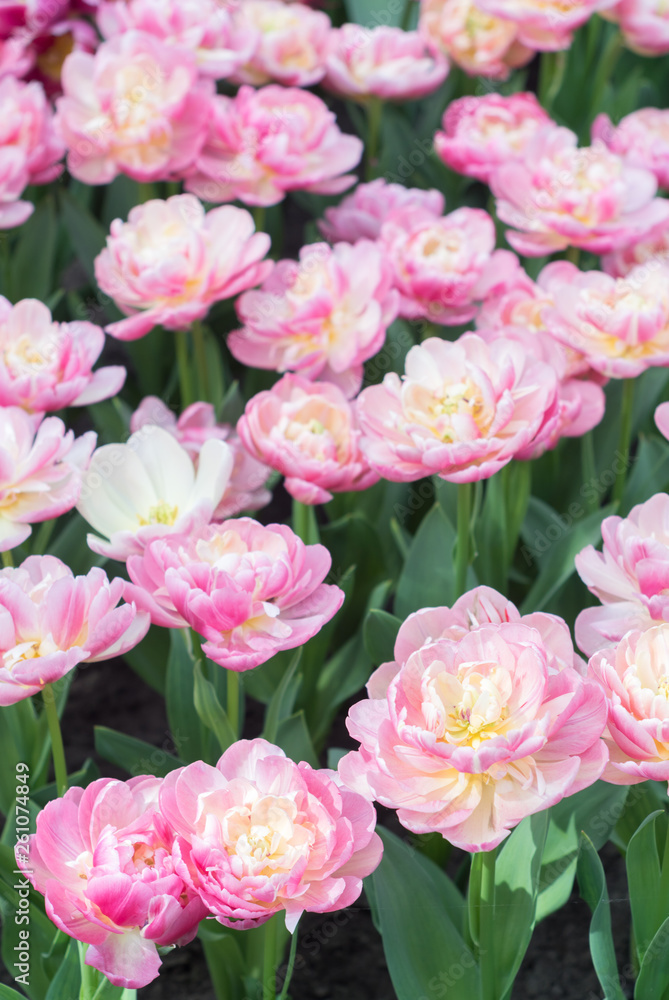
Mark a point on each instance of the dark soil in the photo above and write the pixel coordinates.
(340, 956)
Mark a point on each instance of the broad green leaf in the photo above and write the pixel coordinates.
(34, 254)
(428, 577)
(283, 700)
(133, 755)
(649, 474)
(380, 632)
(211, 712)
(188, 733)
(88, 237)
(67, 981)
(149, 658)
(420, 913)
(293, 736)
(516, 889)
(225, 961)
(81, 779)
(498, 525)
(558, 565)
(653, 979)
(643, 879)
(592, 883)
(372, 13)
(8, 994)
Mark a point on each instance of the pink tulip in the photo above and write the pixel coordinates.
(53, 620)
(103, 857)
(480, 133)
(260, 834)
(644, 25)
(41, 467)
(136, 107)
(383, 62)
(308, 432)
(652, 250)
(149, 487)
(484, 718)
(443, 266)
(249, 590)
(641, 138)
(205, 27)
(291, 43)
(629, 576)
(264, 143)
(462, 411)
(197, 424)
(48, 366)
(471, 38)
(635, 678)
(361, 215)
(322, 317)
(560, 196)
(620, 325)
(50, 48)
(170, 262)
(16, 58)
(545, 25)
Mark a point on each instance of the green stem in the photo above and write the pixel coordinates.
(305, 524)
(588, 467)
(605, 68)
(57, 748)
(43, 537)
(573, 255)
(269, 961)
(147, 192)
(462, 551)
(374, 115)
(626, 414)
(487, 926)
(409, 7)
(183, 363)
(201, 365)
(291, 960)
(233, 700)
(259, 218)
(7, 560)
(552, 67)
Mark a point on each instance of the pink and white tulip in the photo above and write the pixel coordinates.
(47, 366)
(482, 45)
(644, 25)
(361, 215)
(260, 834)
(634, 676)
(629, 576)
(559, 196)
(171, 261)
(383, 62)
(480, 133)
(149, 487)
(205, 27)
(545, 25)
(443, 267)
(136, 107)
(651, 250)
(462, 411)
(308, 432)
(41, 468)
(477, 723)
(291, 43)
(641, 138)
(197, 424)
(53, 621)
(249, 590)
(322, 316)
(619, 325)
(104, 859)
(263, 143)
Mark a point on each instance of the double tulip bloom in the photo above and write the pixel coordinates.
(132, 867)
(360, 216)
(483, 718)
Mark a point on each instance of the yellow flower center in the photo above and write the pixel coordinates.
(161, 513)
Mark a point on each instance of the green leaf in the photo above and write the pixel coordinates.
(149, 658)
(34, 254)
(643, 878)
(133, 755)
(225, 961)
(88, 237)
(380, 632)
(293, 736)
(420, 913)
(8, 994)
(558, 564)
(189, 735)
(211, 712)
(498, 525)
(428, 577)
(653, 979)
(372, 13)
(283, 700)
(516, 889)
(67, 981)
(305, 524)
(80, 779)
(592, 883)
(649, 474)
